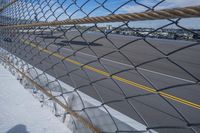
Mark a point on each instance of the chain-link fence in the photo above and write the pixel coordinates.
(108, 66)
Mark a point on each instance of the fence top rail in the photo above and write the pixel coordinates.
(185, 12)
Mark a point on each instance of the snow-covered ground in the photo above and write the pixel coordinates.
(20, 112)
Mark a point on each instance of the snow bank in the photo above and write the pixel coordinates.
(21, 112)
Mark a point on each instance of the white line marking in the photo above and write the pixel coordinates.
(116, 114)
(123, 64)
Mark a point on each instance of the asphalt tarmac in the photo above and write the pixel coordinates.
(108, 73)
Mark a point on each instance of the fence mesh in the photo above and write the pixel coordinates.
(147, 71)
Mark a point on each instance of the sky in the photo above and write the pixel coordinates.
(163, 5)
(83, 8)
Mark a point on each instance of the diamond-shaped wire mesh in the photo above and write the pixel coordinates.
(147, 71)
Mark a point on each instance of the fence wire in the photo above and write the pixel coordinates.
(125, 76)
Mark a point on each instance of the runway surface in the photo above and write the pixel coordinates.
(108, 73)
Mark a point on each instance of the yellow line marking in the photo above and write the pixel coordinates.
(123, 80)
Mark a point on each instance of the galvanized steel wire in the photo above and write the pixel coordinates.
(137, 71)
